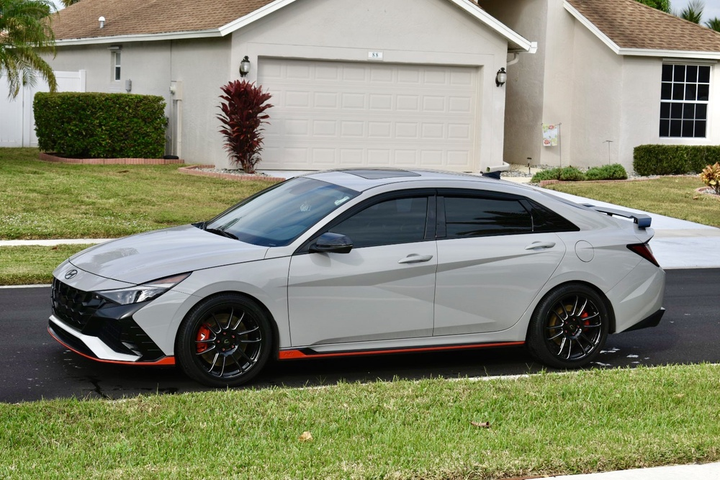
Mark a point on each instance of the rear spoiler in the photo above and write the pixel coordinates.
(643, 221)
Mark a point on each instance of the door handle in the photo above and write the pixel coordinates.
(539, 245)
(416, 258)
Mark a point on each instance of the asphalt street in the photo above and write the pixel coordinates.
(34, 366)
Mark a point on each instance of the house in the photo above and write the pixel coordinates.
(613, 74)
(377, 83)
(370, 83)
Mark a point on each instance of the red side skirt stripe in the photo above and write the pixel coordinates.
(294, 354)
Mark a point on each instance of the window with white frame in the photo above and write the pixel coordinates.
(684, 100)
(116, 66)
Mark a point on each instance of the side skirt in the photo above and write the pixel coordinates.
(305, 353)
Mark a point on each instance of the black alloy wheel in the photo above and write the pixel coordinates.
(569, 327)
(224, 341)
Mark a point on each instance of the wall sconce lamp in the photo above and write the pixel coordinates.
(501, 77)
(245, 66)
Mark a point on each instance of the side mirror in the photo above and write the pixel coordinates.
(330, 242)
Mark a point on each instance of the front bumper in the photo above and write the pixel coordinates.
(101, 330)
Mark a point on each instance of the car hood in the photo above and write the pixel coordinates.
(148, 256)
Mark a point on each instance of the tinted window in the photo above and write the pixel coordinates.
(474, 217)
(280, 214)
(545, 220)
(400, 220)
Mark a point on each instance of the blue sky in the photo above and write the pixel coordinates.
(711, 10)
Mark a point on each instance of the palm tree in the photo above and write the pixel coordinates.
(67, 3)
(693, 12)
(713, 23)
(24, 33)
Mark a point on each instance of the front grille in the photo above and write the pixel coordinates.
(111, 323)
(72, 306)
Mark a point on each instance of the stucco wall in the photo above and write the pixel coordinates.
(579, 82)
(594, 101)
(201, 65)
(526, 78)
(617, 98)
(406, 31)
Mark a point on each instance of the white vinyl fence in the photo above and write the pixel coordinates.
(17, 121)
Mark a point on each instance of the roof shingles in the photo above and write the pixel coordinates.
(632, 25)
(144, 17)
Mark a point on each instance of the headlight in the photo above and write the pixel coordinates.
(144, 292)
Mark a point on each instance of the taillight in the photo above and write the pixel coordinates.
(644, 250)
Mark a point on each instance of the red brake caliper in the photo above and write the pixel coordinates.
(203, 334)
(584, 317)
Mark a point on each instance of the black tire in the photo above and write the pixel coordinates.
(224, 341)
(569, 327)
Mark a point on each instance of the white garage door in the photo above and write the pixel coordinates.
(338, 115)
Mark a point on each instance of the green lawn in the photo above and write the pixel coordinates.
(50, 200)
(33, 264)
(545, 424)
(46, 200)
(670, 196)
(593, 420)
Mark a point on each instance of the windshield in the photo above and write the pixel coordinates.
(277, 216)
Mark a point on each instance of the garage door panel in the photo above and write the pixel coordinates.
(353, 100)
(335, 114)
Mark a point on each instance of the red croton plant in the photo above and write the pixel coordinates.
(243, 113)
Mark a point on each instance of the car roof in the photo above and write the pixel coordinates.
(364, 179)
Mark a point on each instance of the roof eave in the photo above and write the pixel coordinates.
(254, 16)
(695, 55)
(145, 37)
(512, 36)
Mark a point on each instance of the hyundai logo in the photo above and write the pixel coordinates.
(71, 274)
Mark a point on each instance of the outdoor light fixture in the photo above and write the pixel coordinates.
(245, 66)
(501, 77)
(102, 22)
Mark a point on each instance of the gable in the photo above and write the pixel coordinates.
(629, 27)
(147, 20)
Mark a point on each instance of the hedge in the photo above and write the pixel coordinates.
(100, 125)
(673, 159)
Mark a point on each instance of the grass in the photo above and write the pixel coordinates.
(670, 196)
(30, 265)
(545, 424)
(594, 420)
(95, 201)
(47, 200)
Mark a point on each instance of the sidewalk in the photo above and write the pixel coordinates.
(709, 471)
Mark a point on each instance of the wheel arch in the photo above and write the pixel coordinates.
(600, 293)
(275, 347)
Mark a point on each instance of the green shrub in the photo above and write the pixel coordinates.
(100, 125)
(542, 175)
(571, 174)
(607, 172)
(711, 177)
(673, 159)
